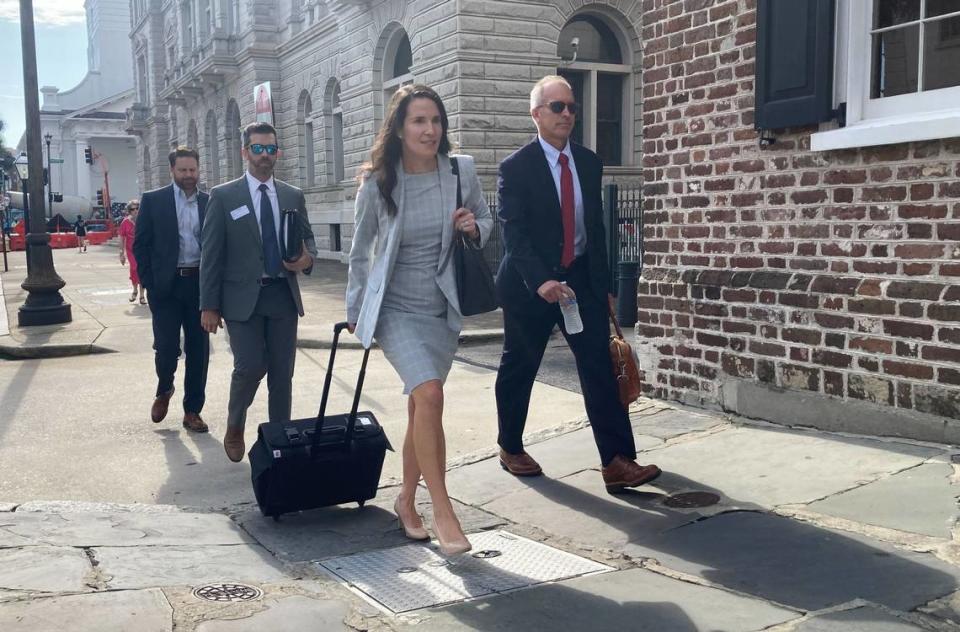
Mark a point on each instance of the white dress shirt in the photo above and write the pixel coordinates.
(255, 194)
(553, 161)
(188, 226)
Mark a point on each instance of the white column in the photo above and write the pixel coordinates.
(83, 169)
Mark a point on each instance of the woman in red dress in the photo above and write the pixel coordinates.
(127, 232)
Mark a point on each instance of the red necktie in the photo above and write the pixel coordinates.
(566, 211)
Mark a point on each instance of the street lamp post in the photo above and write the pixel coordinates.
(49, 137)
(44, 304)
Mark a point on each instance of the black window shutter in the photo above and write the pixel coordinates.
(794, 62)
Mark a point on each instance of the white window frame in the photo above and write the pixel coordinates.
(903, 118)
(337, 133)
(588, 115)
(591, 70)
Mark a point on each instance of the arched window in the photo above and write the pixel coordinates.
(593, 61)
(212, 149)
(397, 59)
(307, 156)
(232, 140)
(334, 133)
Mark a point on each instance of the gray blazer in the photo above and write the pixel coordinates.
(376, 241)
(231, 254)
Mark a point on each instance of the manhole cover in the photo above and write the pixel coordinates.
(501, 562)
(689, 500)
(227, 592)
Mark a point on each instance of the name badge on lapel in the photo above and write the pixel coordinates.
(239, 212)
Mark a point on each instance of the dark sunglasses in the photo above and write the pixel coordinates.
(557, 107)
(257, 149)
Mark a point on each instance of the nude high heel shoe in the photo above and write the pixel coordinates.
(451, 549)
(454, 549)
(414, 533)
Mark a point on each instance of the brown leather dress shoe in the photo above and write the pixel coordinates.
(623, 472)
(159, 409)
(233, 444)
(519, 464)
(194, 423)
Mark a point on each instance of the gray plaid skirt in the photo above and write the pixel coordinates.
(418, 346)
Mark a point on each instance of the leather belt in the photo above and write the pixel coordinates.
(184, 272)
(265, 281)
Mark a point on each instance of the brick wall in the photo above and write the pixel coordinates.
(835, 273)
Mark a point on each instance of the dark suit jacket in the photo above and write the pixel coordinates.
(533, 227)
(157, 242)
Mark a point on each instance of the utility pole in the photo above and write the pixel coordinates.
(44, 304)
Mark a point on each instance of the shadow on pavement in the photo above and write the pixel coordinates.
(762, 554)
(188, 479)
(563, 608)
(12, 396)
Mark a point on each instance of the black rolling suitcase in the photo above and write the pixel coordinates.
(321, 461)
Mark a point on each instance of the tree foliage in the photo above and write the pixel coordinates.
(6, 154)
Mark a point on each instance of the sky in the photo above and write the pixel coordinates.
(61, 34)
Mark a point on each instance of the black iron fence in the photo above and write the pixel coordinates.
(623, 218)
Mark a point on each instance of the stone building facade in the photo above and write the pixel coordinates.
(333, 65)
(814, 280)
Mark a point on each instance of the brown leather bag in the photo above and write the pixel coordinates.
(624, 365)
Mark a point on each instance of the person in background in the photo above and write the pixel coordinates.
(402, 288)
(80, 229)
(127, 234)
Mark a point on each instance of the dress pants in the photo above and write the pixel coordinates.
(264, 344)
(180, 309)
(527, 329)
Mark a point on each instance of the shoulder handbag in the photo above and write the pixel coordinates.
(475, 289)
(624, 365)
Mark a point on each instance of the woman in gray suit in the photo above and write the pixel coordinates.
(402, 288)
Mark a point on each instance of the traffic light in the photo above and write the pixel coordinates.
(58, 197)
(99, 197)
(46, 177)
(88, 155)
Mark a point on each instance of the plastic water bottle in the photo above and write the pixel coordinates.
(571, 313)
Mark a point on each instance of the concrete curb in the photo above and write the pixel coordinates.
(25, 351)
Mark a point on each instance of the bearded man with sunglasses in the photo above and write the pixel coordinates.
(554, 247)
(248, 281)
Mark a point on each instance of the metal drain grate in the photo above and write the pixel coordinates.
(227, 592)
(416, 576)
(690, 500)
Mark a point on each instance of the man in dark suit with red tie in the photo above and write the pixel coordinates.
(551, 214)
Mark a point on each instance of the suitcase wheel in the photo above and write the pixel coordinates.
(361, 503)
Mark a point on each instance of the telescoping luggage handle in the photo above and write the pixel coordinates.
(352, 420)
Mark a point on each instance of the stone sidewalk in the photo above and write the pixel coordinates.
(751, 527)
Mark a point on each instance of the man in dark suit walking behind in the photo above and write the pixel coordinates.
(551, 213)
(167, 249)
(246, 281)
